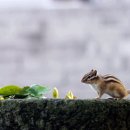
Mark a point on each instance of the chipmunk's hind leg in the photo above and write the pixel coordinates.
(126, 97)
(111, 98)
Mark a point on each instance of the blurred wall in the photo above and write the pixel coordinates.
(57, 46)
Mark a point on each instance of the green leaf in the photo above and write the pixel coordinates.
(24, 90)
(39, 90)
(10, 90)
(34, 91)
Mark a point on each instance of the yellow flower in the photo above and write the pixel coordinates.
(55, 93)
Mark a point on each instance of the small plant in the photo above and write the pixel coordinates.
(36, 91)
(55, 93)
(16, 92)
(69, 95)
(30, 92)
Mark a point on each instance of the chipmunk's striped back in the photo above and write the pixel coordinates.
(111, 78)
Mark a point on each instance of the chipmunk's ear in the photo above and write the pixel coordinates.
(92, 70)
(95, 72)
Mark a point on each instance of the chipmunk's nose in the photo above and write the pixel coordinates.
(82, 80)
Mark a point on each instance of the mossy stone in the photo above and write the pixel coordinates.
(60, 114)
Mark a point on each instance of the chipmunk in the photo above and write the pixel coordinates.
(105, 84)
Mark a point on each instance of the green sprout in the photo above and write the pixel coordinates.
(55, 93)
(70, 95)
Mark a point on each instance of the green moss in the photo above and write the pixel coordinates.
(58, 114)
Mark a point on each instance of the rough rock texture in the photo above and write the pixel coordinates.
(61, 114)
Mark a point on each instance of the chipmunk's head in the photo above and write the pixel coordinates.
(90, 78)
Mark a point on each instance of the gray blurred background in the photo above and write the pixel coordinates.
(55, 42)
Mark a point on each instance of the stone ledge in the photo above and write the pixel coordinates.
(59, 114)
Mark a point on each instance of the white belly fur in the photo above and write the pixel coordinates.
(95, 87)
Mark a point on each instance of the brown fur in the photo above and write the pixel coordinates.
(106, 84)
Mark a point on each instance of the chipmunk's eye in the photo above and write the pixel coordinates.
(89, 77)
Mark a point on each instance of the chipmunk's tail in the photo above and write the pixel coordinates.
(128, 91)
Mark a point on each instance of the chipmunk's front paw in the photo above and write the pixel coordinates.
(97, 98)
